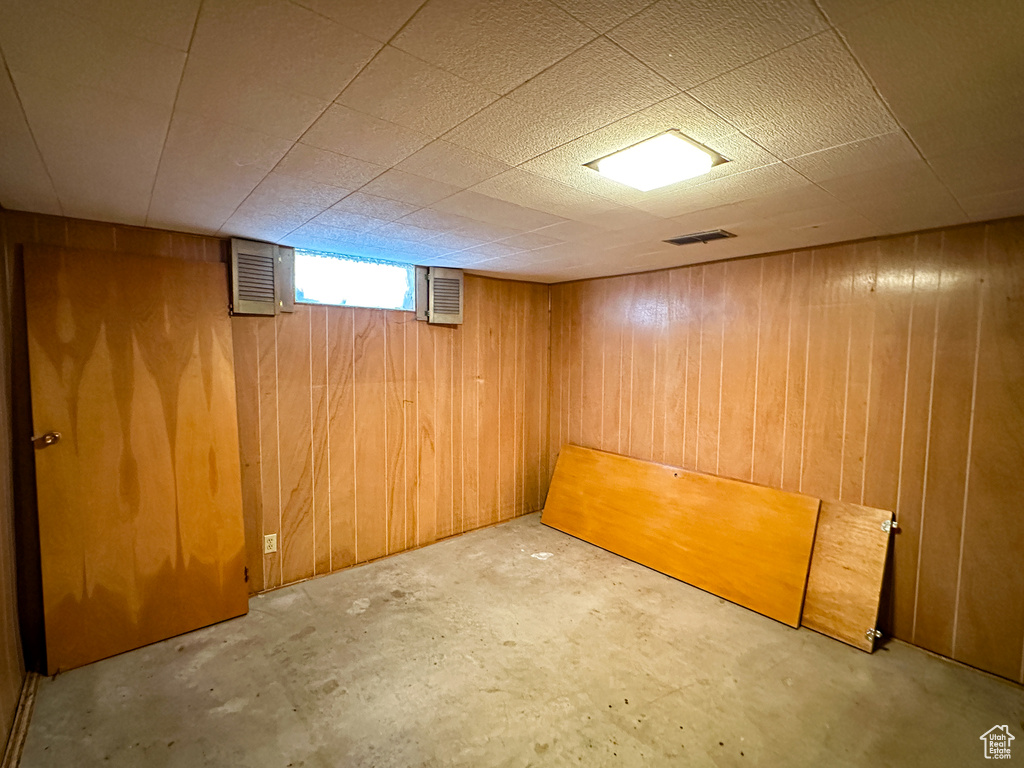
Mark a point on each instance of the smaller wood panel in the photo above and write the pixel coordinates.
(746, 543)
(845, 582)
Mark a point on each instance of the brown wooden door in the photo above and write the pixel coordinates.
(140, 511)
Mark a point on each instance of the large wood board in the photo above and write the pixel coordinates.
(744, 542)
(140, 510)
(845, 581)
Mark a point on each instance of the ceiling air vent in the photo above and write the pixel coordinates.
(439, 295)
(262, 281)
(701, 237)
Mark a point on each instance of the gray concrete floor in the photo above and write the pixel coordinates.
(473, 652)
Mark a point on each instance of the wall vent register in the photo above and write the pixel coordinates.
(439, 295)
(701, 237)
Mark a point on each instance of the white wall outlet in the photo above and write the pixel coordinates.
(269, 543)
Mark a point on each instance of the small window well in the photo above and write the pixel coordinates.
(353, 281)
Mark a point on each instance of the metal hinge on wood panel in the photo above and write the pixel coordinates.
(872, 634)
(890, 525)
(246, 574)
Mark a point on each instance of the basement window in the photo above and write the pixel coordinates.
(352, 281)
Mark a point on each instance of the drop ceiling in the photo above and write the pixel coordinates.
(454, 132)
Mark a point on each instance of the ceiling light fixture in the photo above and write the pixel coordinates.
(657, 162)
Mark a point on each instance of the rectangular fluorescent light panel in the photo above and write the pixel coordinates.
(665, 159)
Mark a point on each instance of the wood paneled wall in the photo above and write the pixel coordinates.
(364, 432)
(12, 668)
(887, 372)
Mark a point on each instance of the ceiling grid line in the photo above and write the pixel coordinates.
(31, 132)
(174, 104)
(464, 138)
(888, 108)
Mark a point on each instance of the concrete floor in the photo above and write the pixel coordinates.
(475, 652)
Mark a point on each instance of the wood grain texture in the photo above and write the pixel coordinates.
(869, 359)
(131, 360)
(844, 585)
(746, 543)
(407, 448)
(12, 666)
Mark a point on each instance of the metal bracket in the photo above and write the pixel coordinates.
(890, 525)
(872, 634)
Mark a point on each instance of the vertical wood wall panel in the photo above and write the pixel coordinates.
(339, 408)
(243, 332)
(320, 426)
(295, 439)
(423, 431)
(989, 631)
(849, 372)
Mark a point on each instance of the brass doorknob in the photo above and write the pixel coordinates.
(46, 440)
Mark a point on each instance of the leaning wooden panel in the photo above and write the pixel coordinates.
(845, 582)
(140, 507)
(746, 543)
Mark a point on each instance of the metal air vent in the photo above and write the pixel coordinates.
(701, 237)
(262, 278)
(439, 295)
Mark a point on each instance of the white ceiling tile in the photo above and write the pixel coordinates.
(949, 70)
(805, 98)
(602, 15)
(374, 207)
(495, 43)
(207, 170)
(402, 89)
(995, 169)
(766, 180)
(490, 251)
(452, 242)
(542, 194)
(620, 217)
(282, 44)
(362, 136)
(44, 42)
(318, 236)
(899, 197)
(839, 11)
(589, 89)
(475, 205)
(405, 232)
(379, 19)
(442, 221)
(280, 204)
(409, 188)
(595, 85)
(209, 90)
(169, 22)
(348, 220)
(855, 157)
(452, 164)
(25, 184)
(511, 132)
(528, 241)
(325, 167)
(570, 230)
(101, 149)
(692, 41)
(97, 78)
(994, 205)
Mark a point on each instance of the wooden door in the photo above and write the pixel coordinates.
(140, 511)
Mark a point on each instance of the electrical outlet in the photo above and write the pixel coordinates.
(269, 543)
